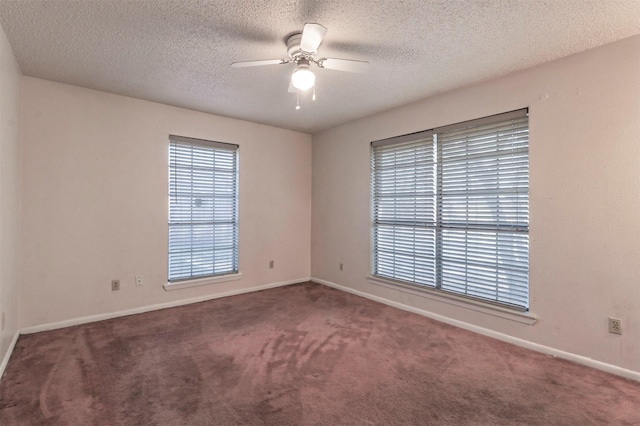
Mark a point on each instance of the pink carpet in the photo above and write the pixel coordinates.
(297, 355)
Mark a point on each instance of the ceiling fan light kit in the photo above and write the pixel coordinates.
(303, 78)
(301, 49)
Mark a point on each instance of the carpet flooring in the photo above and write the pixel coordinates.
(298, 355)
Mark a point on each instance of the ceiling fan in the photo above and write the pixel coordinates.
(302, 49)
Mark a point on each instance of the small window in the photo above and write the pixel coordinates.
(450, 209)
(203, 208)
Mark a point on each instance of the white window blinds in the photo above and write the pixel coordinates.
(203, 208)
(451, 208)
(404, 209)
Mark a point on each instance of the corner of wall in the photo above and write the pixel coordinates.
(10, 98)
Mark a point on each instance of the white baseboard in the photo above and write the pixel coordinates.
(589, 362)
(148, 308)
(7, 355)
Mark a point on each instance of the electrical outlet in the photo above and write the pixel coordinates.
(139, 281)
(615, 325)
(271, 263)
(341, 266)
(115, 285)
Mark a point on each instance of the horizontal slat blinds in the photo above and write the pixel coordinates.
(404, 210)
(203, 208)
(451, 208)
(483, 210)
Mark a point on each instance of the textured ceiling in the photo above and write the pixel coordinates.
(179, 52)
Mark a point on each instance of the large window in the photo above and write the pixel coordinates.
(451, 209)
(203, 208)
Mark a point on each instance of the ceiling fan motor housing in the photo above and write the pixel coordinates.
(293, 46)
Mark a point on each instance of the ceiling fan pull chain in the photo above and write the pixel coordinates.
(297, 99)
(313, 98)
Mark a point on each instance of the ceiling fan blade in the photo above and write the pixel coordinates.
(348, 65)
(312, 35)
(259, 63)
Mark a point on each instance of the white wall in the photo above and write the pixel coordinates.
(9, 193)
(94, 201)
(584, 198)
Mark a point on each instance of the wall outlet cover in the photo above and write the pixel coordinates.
(615, 325)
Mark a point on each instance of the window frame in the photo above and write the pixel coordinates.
(436, 288)
(224, 176)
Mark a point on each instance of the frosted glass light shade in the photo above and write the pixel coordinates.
(302, 78)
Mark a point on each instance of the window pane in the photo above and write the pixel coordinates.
(404, 211)
(483, 211)
(451, 211)
(203, 224)
(486, 264)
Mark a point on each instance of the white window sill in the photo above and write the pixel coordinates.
(202, 281)
(451, 299)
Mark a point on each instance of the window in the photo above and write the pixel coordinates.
(203, 208)
(450, 209)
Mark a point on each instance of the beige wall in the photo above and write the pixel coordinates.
(9, 193)
(584, 198)
(94, 201)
